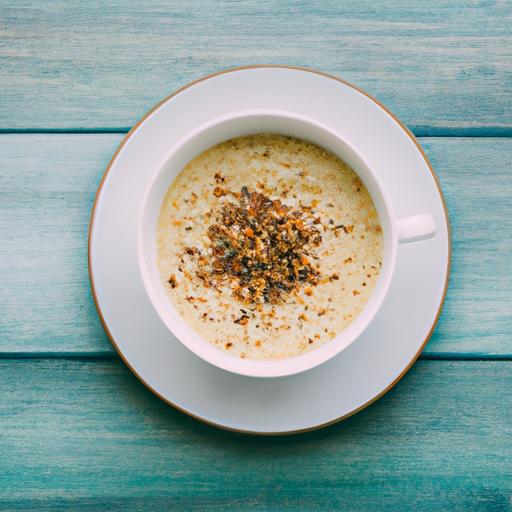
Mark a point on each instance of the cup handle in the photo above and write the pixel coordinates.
(415, 228)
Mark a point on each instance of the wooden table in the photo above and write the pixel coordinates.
(77, 430)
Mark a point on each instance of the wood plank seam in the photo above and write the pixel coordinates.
(481, 131)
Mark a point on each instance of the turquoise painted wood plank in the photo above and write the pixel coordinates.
(476, 178)
(47, 185)
(440, 66)
(88, 436)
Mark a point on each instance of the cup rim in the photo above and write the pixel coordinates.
(275, 367)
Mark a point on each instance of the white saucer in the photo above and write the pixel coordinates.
(358, 375)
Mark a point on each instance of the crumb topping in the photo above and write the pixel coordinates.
(261, 248)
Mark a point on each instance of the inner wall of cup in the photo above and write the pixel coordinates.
(226, 129)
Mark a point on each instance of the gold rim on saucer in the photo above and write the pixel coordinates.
(91, 278)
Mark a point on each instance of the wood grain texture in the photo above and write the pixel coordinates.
(87, 436)
(47, 185)
(443, 67)
(476, 179)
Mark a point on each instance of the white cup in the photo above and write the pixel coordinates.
(395, 231)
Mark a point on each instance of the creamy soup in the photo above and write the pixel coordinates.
(268, 246)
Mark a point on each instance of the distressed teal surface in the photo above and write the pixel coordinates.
(48, 183)
(443, 67)
(77, 430)
(88, 435)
